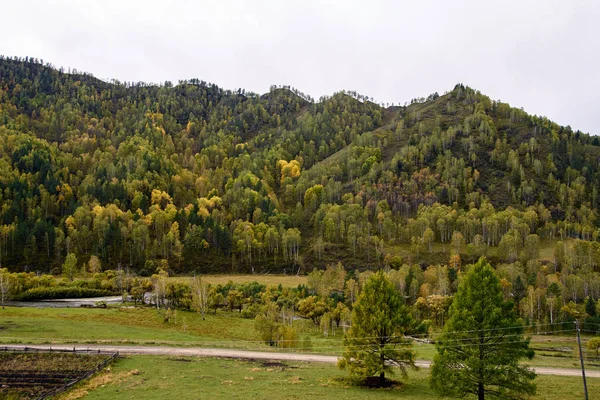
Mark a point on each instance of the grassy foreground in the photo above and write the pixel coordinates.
(152, 377)
(146, 326)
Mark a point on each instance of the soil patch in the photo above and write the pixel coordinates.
(274, 364)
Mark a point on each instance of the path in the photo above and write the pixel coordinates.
(249, 354)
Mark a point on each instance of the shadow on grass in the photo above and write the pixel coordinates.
(371, 382)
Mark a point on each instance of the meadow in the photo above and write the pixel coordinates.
(147, 326)
(153, 377)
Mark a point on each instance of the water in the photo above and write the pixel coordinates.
(65, 303)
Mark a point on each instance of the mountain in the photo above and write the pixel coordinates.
(192, 177)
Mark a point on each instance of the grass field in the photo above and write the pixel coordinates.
(152, 377)
(143, 325)
(146, 326)
(284, 280)
(121, 325)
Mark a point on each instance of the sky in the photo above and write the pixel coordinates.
(539, 55)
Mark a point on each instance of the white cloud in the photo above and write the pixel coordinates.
(540, 55)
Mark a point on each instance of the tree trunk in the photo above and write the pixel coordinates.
(382, 373)
(480, 392)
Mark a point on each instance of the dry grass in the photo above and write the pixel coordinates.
(105, 378)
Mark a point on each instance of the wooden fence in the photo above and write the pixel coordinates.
(72, 382)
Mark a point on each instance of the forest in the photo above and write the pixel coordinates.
(192, 178)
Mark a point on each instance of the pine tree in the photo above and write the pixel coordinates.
(590, 307)
(520, 289)
(482, 343)
(376, 341)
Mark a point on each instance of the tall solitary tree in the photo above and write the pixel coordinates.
(482, 343)
(376, 341)
(200, 294)
(70, 266)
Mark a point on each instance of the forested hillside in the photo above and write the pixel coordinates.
(192, 177)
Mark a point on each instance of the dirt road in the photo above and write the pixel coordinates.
(249, 354)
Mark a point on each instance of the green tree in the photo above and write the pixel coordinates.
(594, 344)
(215, 299)
(235, 299)
(70, 266)
(428, 237)
(312, 307)
(267, 326)
(482, 343)
(590, 307)
(4, 285)
(94, 265)
(376, 341)
(199, 295)
(519, 292)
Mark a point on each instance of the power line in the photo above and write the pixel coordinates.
(390, 337)
(493, 337)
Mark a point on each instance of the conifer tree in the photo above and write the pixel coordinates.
(482, 343)
(376, 341)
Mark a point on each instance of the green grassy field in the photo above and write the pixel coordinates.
(143, 325)
(152, 377)
(121, 325)
(146, 326)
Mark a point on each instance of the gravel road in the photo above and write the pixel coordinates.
(249, 354)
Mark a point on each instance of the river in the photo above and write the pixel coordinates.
(66, 303)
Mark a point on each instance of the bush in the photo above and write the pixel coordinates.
(251, 311)
(59, 292)
(287, 337)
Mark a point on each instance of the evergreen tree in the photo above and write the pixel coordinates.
(592, 321)
(482, 343)
(376, 341)
(519, 292)
(590, 307)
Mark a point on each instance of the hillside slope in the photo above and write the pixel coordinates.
(192, 177)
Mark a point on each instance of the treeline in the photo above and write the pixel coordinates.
(544, 297)
(213, 180)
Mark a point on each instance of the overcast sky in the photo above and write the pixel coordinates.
(540, 55)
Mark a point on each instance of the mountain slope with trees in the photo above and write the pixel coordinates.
(192, 177)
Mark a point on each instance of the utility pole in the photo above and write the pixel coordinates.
(581, 359)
